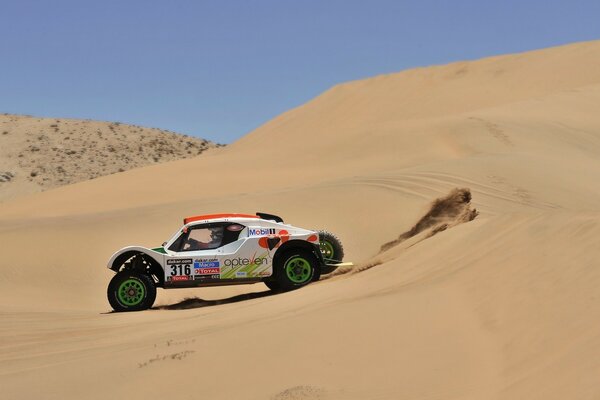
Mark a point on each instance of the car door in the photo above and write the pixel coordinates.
(214, 252)
(195, 257)
(245, 258)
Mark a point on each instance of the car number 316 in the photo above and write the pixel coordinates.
(181, 269)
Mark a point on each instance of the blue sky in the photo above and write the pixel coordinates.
(219, 69)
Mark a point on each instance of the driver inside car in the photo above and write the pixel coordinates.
(204, 239)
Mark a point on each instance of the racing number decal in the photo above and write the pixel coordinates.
(181, 269)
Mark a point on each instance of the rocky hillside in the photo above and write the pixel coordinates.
(42, 153)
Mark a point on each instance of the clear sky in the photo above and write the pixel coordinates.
(218, 69)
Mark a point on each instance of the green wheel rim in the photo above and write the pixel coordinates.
(131, 292)
(298, 269)
(326, 249)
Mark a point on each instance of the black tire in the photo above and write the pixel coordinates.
(317, 274)
(273, 285)
(331, 248)
(294, 269)
(138, 291)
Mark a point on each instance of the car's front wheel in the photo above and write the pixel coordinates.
(131, 291)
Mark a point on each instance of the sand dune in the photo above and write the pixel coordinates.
(38, 154)
(502, 306)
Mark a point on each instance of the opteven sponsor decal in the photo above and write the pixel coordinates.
(236, 262)
(251, 266)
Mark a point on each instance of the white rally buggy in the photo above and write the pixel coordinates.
(223, 249)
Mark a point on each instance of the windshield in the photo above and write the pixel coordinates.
(206, 237)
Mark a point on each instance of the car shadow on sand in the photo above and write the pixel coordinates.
(196, 302)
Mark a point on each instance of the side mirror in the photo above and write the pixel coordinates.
(164, 244)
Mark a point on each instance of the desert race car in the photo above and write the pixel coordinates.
(223, 249)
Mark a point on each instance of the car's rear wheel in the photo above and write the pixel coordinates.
(294, 269)
(131, 291)
(332, 250)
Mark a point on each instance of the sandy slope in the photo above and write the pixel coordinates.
(503, 307)
(38, 154)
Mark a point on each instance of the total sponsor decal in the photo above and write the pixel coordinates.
(260, 231)
(207, 271)
(241, 274)
(180, 278)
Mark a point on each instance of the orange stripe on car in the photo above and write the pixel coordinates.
(216, 216)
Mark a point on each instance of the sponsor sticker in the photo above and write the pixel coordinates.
(206, 277)
(180, 278)
(179, 261)
(241, 274)
(207, 271)
(206, 264)
(260, 231)
(236, 262)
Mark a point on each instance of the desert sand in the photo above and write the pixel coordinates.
(503, 306)
(38, 154)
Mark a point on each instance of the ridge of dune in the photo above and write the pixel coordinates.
(387, 101)
(38, 154)
(500, 306)
(367, 126)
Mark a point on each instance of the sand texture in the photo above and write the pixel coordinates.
(38, 154)
(490, 292)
